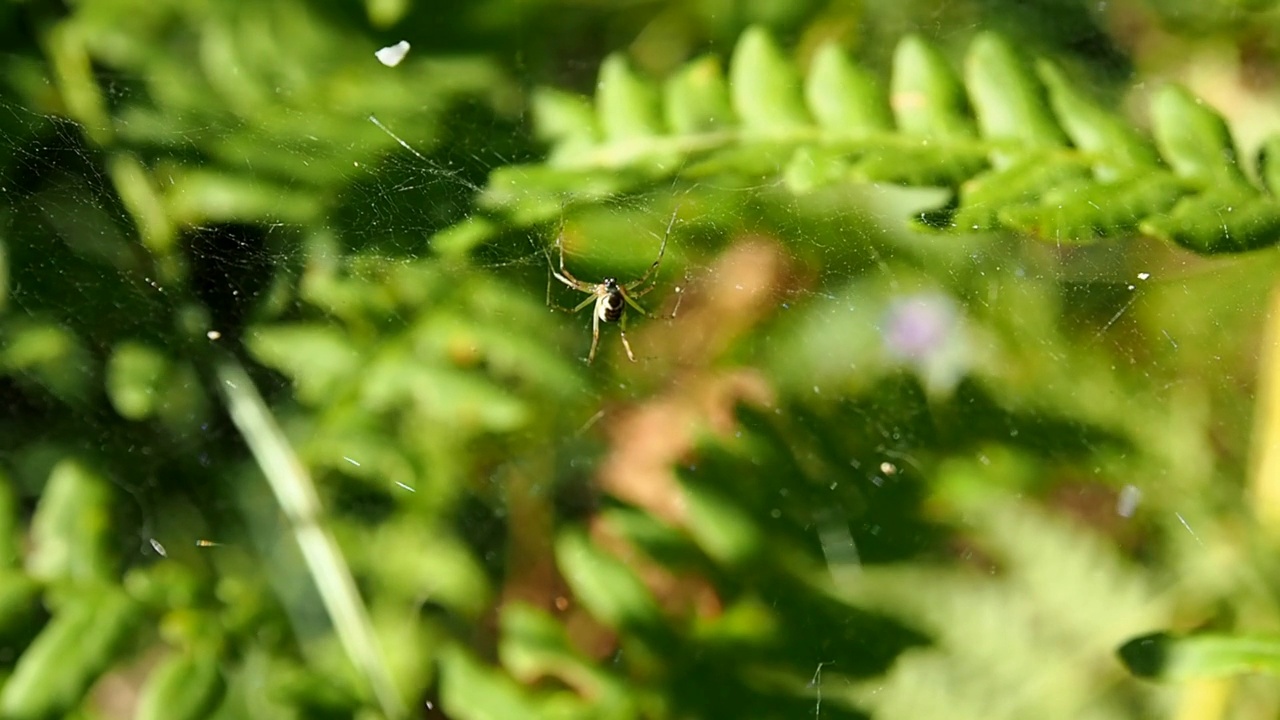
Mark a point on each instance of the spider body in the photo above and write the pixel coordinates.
(612, 302)
(610, 297)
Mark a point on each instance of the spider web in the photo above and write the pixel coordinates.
(869, 339)
(856, 269)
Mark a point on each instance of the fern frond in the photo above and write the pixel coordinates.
(1020, 146)
(1036, 640)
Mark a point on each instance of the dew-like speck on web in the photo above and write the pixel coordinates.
(1187, 525)
(1128, 500)
(393, 54)
(1144, 275)
(155, 545)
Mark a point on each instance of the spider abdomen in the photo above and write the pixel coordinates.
(611, 307)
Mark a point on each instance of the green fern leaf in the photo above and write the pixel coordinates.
(1019, 145)
(1009, 101)
(1033, 639)
(927, 97)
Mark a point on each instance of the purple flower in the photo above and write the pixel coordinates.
(918, 326)
(924, 331)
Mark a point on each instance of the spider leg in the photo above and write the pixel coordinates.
(641, 293)
(622, 331)
(571, 310)
(564, 275)
(679, 299)
(630, 298)
(595, 332)
(636, 306)
(573, 282)
(661, 251)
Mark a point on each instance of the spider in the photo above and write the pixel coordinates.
(611, 298)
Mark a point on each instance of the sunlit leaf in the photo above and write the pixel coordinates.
(696, 98)
(764, 86)
(926, 96)
(81, 641)
(1193, 138)
(604, 584)
(187, 686)
(1175, 658)
(72, 530)
(1007, 97)
(845, 98)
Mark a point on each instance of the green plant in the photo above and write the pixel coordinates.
(290, 431)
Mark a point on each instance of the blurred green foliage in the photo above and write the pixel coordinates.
(972, 381)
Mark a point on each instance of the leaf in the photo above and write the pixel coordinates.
(49, 352)
(926, 95)
(844, 97)
(561, 117)
(723, 530)
(1193, 138)
(535, 645)
(319, 358)
(1045, 624)
(443, 572)
(696, 98)
(471, 691)
(1114, 146)
(186, 686)
(71, 651)
(71, 530)
(910, 162)
(135, 376)
(459, 399)
(1013, 167)
(1009, 101)
(142, 199)
(1173, 658)
(1232, 217)
(197, 197)
(20, 608)
(1017, 184)
(11, 529)
(1269, 164)
(1087, 210)
(764, 87)
(460, 239)
(626, 105)
(604, 584)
